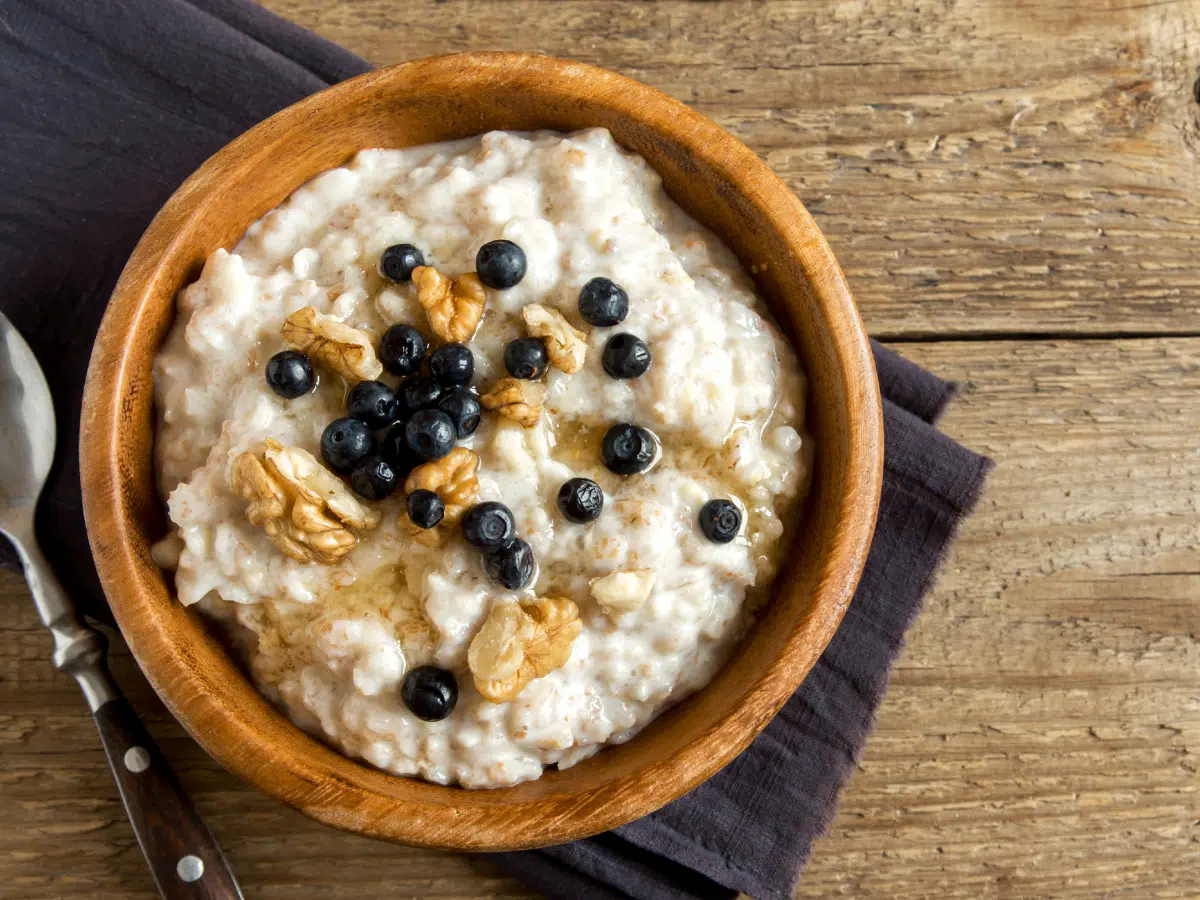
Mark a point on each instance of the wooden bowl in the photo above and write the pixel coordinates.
(716, 179)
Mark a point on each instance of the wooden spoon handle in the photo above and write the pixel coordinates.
(185, 860)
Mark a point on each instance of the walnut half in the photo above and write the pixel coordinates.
(566, 345)
(343, 350)
(516, 399)
(454, 305)
(292, 496)
(520, 642)
(453, 478)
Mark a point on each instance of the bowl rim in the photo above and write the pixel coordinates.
(345, 802)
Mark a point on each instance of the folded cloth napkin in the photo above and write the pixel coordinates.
(106, 106)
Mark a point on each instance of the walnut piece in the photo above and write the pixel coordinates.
(343, 350)
(498, 650)
(519, 643)
(566, 345)
(291, 496)
(317, 485)
(454, 305)
(251, 482)
(620, 592)
(453, 478)
(516, 399)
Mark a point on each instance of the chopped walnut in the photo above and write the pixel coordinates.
(453, 478)
(251, 482)
(317, 485)
(454, 305)
(498, 649)
(519, 643)
(557, 627)
(292, 495)
(343, 350)
(516, 399)
(566, 345)
(621, 592)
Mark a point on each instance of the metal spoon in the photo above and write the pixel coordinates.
(184, 858)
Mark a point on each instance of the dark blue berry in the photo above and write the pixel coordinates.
(452, 365)
(489, 526)
(345, 443)
(526, 358)
(394, 448)
(398, 261)
(373, 478)
(720, 520)
(462, 406)
(402, 350)
(511, 567)
(603, 303)
(372, 402)
(628, 449)
(430, 693)
(580, 500)
(425, 508)
(430, 434)
(625, 356)
(290, 374)
(500, 264)
(417, 394)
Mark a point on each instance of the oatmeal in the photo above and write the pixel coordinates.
(482, 453)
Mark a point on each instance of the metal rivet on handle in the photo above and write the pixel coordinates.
(189, 868)
(137, 759)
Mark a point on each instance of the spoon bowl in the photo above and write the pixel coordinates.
(27, 428)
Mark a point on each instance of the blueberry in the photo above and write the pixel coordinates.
(603, 303)
(425, 508)
(628, 449)
(489, 526)
(512, 566)
(580, 500)
(430, 693)
(290, 374)
(430, 434)
(462, 406)
(625, 356)
(500, 264)
(345, 443)
(398, 261)
(417, 394)
(402, 350)
(452, 365)
(372, 402)
(720, 520)
(526, 358)
(373, 478)
(393, 447)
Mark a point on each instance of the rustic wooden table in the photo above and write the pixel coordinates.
(1012, 189)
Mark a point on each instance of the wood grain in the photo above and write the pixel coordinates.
(980, 168)
(1040, 739)
(715, 178)
(993, 166)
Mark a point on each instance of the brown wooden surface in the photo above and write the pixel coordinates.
(983, 170)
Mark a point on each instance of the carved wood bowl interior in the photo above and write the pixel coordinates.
(716, 179)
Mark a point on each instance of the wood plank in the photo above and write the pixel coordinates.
(1040, 739)
(997, 167)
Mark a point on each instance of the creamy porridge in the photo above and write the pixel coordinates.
(549, 508)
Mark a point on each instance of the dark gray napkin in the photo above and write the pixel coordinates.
(106, 106)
